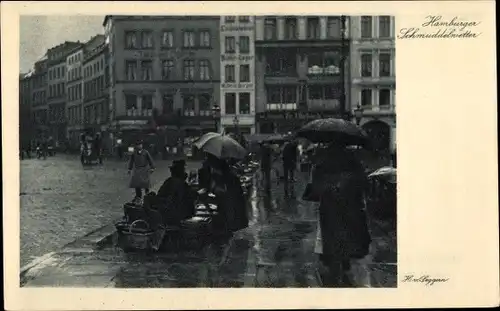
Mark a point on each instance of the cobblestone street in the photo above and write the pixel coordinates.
(61, 200)
(277, 250)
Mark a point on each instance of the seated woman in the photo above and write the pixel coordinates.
(176, 196)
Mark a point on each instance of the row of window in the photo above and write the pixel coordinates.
(334, 28)
(144, 39)
(94, 88)
(75, 58)
(384, 27)
(284, 62)
(91, 114)
(57, 90)
(96, 67)
(385, 64)
(75, 74)
(74, 92)
(145, 71)
(384, 97)
(230, 73)
(232, 19)
(230, 103)
(243, 44)
(189, 102)
(57, 113)
(291, 94)
(38, 98)
(57, 73)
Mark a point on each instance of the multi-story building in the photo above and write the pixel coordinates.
(74, 95)
(301, 70)
(56, 87)
(237, 99)
(373, 76)
(163, 69)
(96, 85)
(39, 107)
(25, 102)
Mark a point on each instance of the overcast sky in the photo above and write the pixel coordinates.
(39, 33)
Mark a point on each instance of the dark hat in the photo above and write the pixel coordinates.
(139, 142)
(178, 164)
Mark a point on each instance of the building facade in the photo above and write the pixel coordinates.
(39, 105)
(25, 102)
(164, 73)
(56, 89)
(74, 96)
(237, 61)
(373, 76)
(96, 85)
(302, 70)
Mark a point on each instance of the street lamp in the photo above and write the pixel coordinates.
(358, 114)
(216, 116)
(236, 123)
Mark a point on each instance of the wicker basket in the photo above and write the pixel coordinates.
(138, 240)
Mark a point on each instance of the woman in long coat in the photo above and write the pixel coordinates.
(141, 165)
(340, 183)
(229, 195)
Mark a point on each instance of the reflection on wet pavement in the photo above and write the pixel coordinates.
(277, 250)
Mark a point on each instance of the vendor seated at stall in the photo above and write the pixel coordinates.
(177, 194)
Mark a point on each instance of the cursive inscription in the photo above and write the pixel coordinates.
(436, 27)
(423, 279)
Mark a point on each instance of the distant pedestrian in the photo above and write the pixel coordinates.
(119, 148)
(290, 154)
(265, 165)
(98, 147)
(141, 166)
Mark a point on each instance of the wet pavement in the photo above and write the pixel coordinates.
(61, 200)
(277, 250)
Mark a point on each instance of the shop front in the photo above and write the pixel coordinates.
(282, 122)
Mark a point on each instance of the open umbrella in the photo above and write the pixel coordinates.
(333, 130)
(387, 173)
(221, 146)
(203, 139)
(276, 139)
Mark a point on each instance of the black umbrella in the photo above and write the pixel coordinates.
(333, 130)
(276, 139)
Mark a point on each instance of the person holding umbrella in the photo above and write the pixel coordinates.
(140, 166)
(338, 183)
(224, 183)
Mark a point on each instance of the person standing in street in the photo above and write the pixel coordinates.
(140, 166)
(289, 161)
(339, 182)
(98, 147)
(265, 165)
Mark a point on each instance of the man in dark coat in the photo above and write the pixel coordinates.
(290, 160)
(141, 166)
(178, 197)
(265, 165)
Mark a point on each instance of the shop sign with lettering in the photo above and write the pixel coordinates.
(237, 85)
(232, 57)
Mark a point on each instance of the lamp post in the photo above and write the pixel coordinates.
(236, 122)
(358, 114)
(216, 116)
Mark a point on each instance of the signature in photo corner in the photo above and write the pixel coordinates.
(423, 279)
